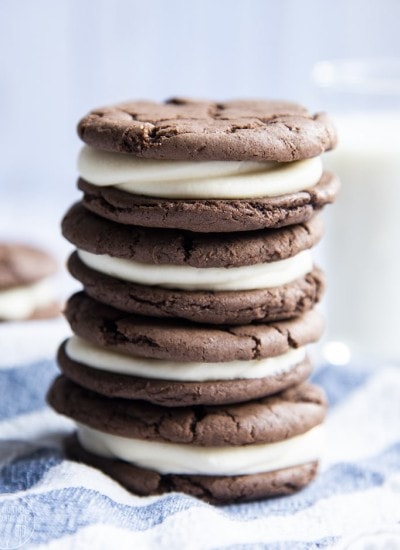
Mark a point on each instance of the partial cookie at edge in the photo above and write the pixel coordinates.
(22, 265)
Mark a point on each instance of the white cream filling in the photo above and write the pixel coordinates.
(174, 458)
(258, 276)
(197, 180)
(21, 302)
(96, 357)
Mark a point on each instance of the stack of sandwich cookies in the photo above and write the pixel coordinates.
(233, 453)
(193, 244)
(26, 287)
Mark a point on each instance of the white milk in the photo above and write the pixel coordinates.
(363, 237)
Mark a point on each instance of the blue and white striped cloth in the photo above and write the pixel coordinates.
(49, 502)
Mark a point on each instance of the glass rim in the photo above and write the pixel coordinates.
(373, 75)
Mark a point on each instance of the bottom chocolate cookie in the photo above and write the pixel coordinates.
(241, 452)
(213, 489)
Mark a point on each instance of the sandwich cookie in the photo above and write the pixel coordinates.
(231, 278)
(26, 289)
(179, 364)
(203, 166)
(222, 454)
(187, 365)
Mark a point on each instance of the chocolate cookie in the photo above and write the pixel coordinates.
(170, 393)
(203, 216)
(22, 265)
(25, 289)
(182, 129)
(244, 427)
(97, 235)
(234, 308)
(267, 420)
(182, 341)
(212, 489)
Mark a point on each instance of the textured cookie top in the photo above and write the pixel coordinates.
(179, 340)
(97, 235)
(183, 129)
(266, 420)
(22, 265)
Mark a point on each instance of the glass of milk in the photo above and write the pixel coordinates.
(362, 243)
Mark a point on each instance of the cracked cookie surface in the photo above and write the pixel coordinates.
(184, 129)
(94, 234)
(267, 420)
(180, 340)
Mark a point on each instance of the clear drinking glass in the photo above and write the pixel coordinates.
(362, 243)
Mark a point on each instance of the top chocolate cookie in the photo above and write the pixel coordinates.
(182, 129)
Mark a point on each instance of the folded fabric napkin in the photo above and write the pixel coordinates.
(49, 502)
